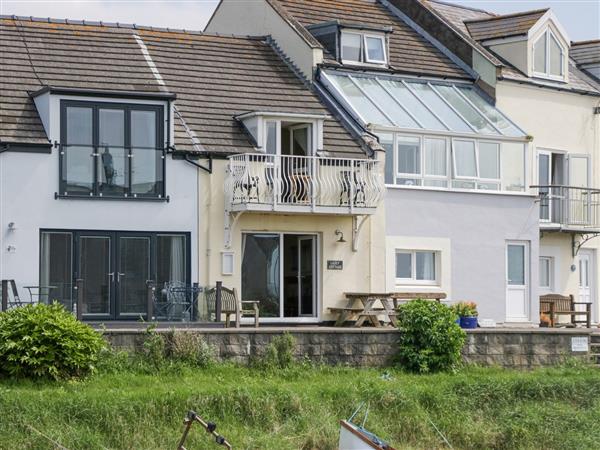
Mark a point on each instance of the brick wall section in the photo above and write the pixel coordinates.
(523, 348)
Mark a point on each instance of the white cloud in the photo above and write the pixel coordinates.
(188, 14)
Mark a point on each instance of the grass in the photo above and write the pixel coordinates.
(300, 408)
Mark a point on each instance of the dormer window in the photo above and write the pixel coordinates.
(549, 57)
(363, 48)
(285, 134)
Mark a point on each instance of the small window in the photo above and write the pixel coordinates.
(351, 47)
(465, 159)
(408, 160)
(416, 267)
(375, 49)
(363, 48)
(546, 272)
(548, 56)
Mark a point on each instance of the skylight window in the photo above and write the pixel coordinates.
(363, 48)
(549, 57)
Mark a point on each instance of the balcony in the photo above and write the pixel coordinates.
(303, 184)
(568, 208)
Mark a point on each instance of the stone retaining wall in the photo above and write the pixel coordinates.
(516, 348)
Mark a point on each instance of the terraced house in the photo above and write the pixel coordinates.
(134, 157)
(549, 86)
(460, 216)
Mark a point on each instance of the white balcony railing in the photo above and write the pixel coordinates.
(256, 181)
(570, 207)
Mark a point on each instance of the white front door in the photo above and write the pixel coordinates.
(517, 282)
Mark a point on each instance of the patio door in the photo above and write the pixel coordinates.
(280, 271)
(95, 266)
(114, 268)
(517, 282)
(132, 274)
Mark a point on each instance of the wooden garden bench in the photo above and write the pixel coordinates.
(564, 305)
(230, 304)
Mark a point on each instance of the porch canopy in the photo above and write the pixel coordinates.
(437, 133)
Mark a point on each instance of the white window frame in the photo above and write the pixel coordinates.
(313, 135)
(480, 179)
(366, 48)
(454, 171)
(361, 49)
(413, 266)
(364, 56)
(550, 286)
(427, 176)
(407, 176)
(547, 35)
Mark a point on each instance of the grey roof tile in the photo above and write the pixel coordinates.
(215, 78)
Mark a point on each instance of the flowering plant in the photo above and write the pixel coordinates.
(466, 309)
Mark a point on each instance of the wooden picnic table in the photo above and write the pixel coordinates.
(389, 302)
(367, 311)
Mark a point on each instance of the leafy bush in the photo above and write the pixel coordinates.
(465, 309)
(189, 348)
(279, 353)
(430, 339)
(46, 341)
(154, 347)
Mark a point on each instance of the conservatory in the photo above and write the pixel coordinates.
(437, 134)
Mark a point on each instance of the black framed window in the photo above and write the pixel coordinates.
(112, 150)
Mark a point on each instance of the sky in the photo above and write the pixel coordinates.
(581, 18)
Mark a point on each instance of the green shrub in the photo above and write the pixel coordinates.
(189, 348)
(154, 347)
(279, 353)
(46, 341)
(430, 339)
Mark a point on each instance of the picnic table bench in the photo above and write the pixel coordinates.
(389, 302)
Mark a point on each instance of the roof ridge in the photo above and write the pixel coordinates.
(508, 16)
(128, 26)
(587, 41)
(457, 5)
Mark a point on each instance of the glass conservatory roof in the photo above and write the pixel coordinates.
(418, 104)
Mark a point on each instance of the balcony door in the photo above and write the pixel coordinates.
(587, 279)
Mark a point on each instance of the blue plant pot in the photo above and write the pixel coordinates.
(468, 322)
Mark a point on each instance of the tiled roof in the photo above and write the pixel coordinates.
(585, 52)
(457, 14)
(214, 78)
(409, 51)
(503, 26)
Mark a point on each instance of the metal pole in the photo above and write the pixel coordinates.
(4, 295)
(218, 301)
(150, 300)
(79, 293)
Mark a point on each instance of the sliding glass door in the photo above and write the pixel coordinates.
(280, 271)
(114, 269)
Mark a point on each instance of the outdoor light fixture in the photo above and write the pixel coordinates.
(12, 226)
(339, 233)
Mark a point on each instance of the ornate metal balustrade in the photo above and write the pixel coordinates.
(263, 182)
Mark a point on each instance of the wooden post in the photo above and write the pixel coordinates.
(151, 289)
(79, 298)
(4, 295)
(218, 294)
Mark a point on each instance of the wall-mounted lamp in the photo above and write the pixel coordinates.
(339, 233)
(12, 226)
(11, 249)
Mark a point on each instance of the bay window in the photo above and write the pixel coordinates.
(111, 150)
